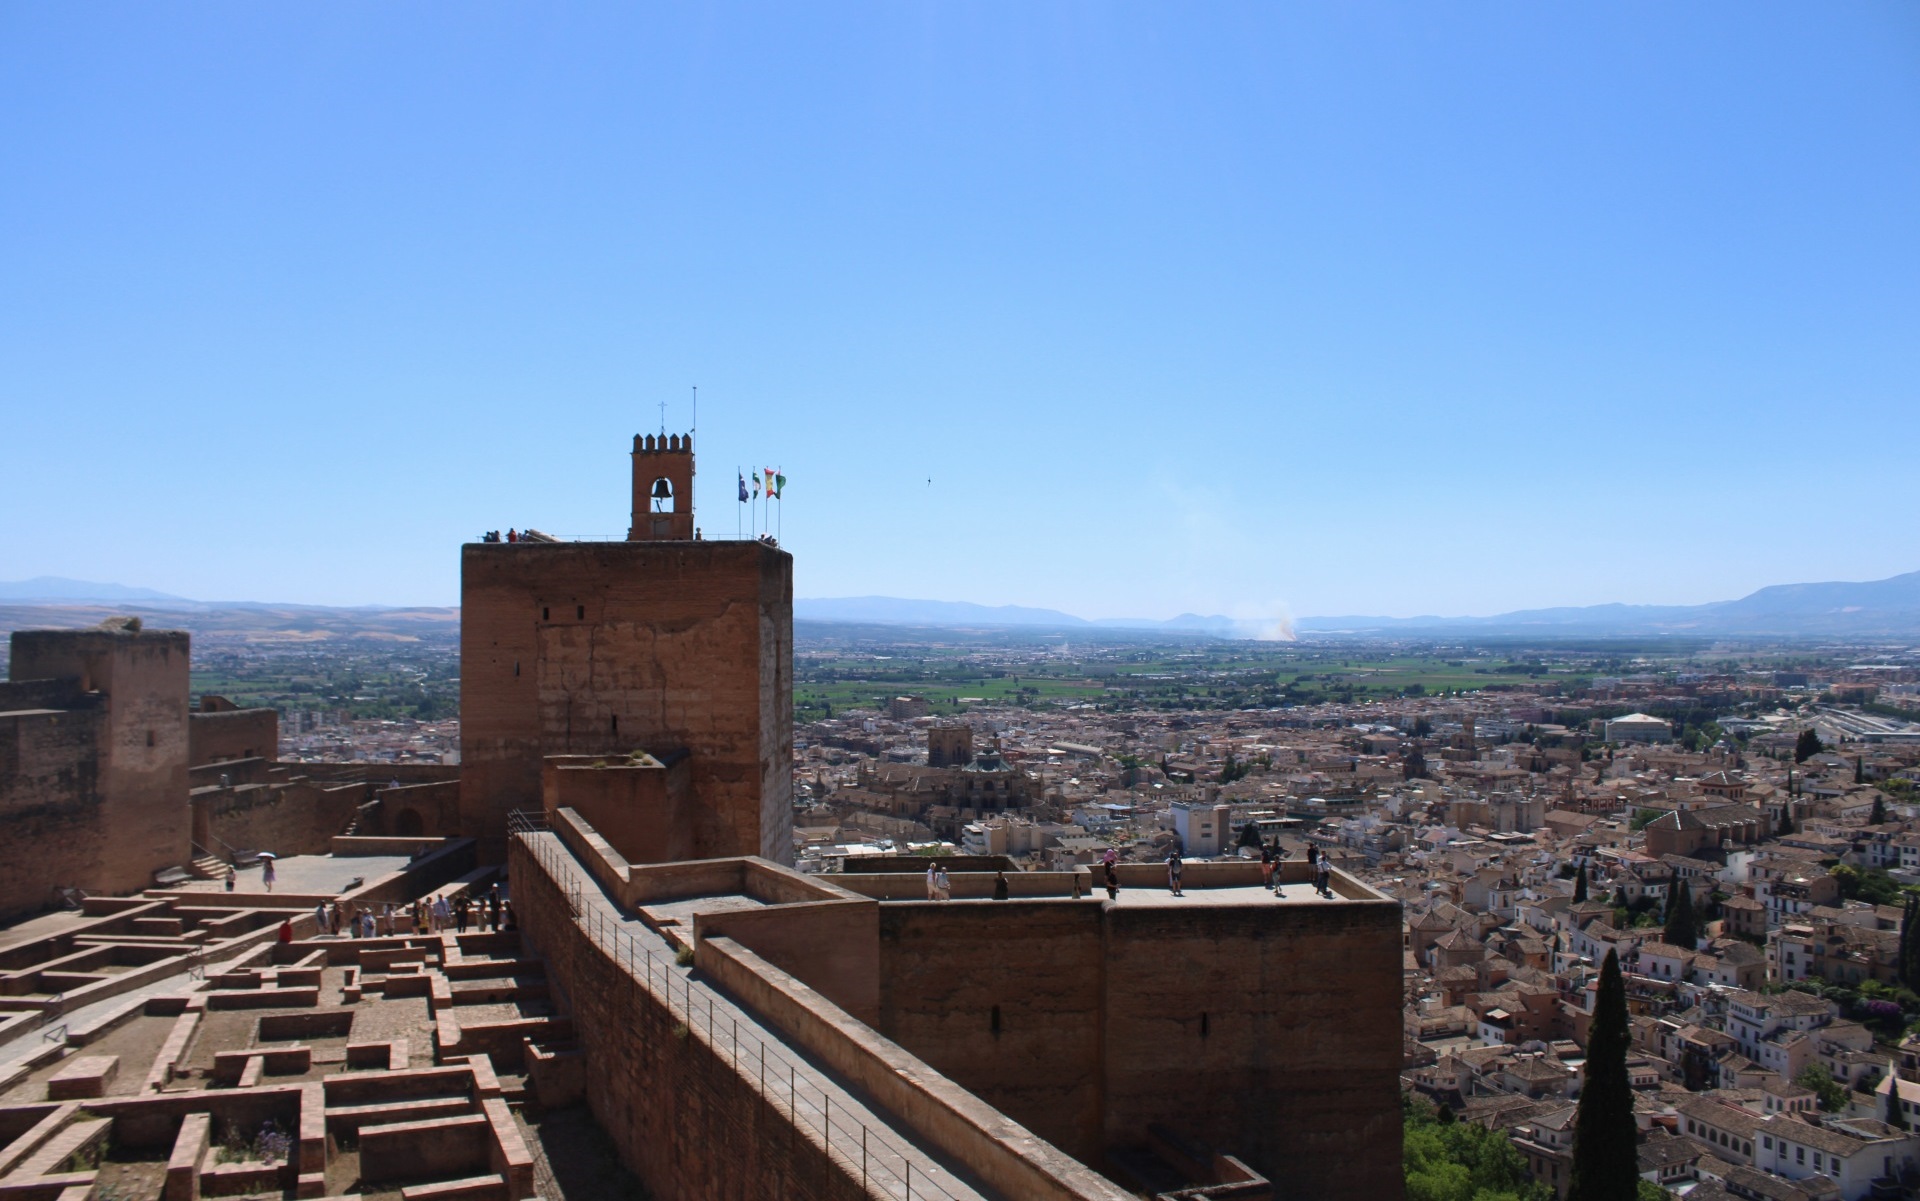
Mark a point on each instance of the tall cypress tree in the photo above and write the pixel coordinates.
(1896, 1113)
(1606, 1163)
(1579, 885)
(1909, 960)
(1681, 929)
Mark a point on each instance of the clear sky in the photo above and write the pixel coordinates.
(1241, 308)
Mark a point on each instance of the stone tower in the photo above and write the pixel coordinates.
(662, 644)
(662, 489)
(949, 746)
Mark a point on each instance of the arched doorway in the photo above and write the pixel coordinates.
(407, 824)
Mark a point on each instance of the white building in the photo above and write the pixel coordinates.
(1202, 828)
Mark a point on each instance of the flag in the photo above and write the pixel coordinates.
(780, 485)
(743, 488)
(771, 491)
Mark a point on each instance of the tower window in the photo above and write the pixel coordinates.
(616, 723)
(994, 1019)
(516, 669)
(149, 737)
(545, 613)
(580, 612)
(1203, 1025)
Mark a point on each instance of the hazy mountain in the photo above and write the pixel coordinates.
(1889, 607)
(54, 588)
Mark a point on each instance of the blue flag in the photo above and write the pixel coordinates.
(743, 489)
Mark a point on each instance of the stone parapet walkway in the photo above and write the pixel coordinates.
(864, 1142)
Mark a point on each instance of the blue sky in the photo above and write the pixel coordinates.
(1250, 309)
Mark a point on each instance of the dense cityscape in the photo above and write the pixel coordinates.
(1738, 824)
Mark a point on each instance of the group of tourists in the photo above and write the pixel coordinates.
(494, 536)
(939, 887)
(428, 915)
(1319, 868)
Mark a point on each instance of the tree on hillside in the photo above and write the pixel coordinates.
(1908, 964)
(1879, 815)
(1606, 1163)
(1896, 1113)
(1579, 885)
(1682, 930)
(1807, 746)
(1250, 835)
(1415, 764)
(1859, 770)
(1818, 1079)
(1786, 823)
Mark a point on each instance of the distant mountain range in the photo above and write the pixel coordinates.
(1876, 608)
(50, 588)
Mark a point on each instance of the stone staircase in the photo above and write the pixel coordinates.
(209, 867)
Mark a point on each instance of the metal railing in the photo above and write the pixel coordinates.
(854, 1144)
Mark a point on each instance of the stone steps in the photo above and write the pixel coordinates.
(209, 867)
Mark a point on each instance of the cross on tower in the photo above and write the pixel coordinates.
(663, 419)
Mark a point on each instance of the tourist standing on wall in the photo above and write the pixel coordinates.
(1173, 874)
(320, 919)
(933, 881)
(1266, 866)
(493, 906)
(266, 873)
(442, 916)
(1113, 880)
(1000, 890)
(942, 885)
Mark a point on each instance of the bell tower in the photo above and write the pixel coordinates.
(662, 488)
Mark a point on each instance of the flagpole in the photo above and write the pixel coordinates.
(739, 478)
(783, 506)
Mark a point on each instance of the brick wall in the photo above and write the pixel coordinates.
(109, 826)
(233, 734)
(945, 968)
(1271, 1032)
(680, 1117)
(292, 819)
